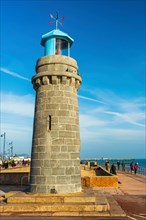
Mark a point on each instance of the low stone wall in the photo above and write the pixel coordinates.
(102, 178)
(14, 178)
(22, 178)
(100, 181)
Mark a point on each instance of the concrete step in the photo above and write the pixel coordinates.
(104, 205)
(59, 214)
(59, 207)
(26, 202)
(16, 199)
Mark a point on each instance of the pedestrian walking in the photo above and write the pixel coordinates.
(123, 166)
(118, 164)
(113, 169)
(135, 168)
(131, 167)
(106, 164)
(6, 165)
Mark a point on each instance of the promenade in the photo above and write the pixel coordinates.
(132, 184)
(129, 199)
(130, 195)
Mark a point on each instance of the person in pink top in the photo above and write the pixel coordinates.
(135, 168)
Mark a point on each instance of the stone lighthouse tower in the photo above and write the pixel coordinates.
(55, 166)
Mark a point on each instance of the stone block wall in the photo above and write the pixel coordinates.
(56, 135)
(15, 178)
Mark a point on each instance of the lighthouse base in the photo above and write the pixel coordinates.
(56, 189)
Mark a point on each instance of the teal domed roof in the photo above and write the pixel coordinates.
(56, 33)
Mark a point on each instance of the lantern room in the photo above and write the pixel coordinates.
(56, 42)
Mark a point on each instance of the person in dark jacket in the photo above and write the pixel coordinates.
(118, 164)
(113, 169)
(123, 166)
(106, 164)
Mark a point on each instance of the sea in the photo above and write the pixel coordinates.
(101, 162)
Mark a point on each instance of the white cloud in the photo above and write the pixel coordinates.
(125, 134)
(90, 99)
(132, 105)
(15, 104)
(117, 110)
(16, 129)
(131, 118)
(117, 128)
(17, 121)
(4, 70)
(101, 125)
(87, 121)
(113, 136)
(19, 134)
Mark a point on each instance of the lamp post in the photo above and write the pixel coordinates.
(11, 149)
(4, 143)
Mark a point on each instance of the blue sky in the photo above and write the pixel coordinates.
(109, 46)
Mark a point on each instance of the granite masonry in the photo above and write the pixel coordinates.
(55, 166)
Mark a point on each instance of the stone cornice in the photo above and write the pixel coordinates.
(56, 70)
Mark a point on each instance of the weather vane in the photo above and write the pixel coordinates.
(57, 20)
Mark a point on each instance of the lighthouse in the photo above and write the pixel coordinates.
(55, 157)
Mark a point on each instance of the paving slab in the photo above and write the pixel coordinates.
(132, 184)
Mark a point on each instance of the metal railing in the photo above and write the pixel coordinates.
(141, 170)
